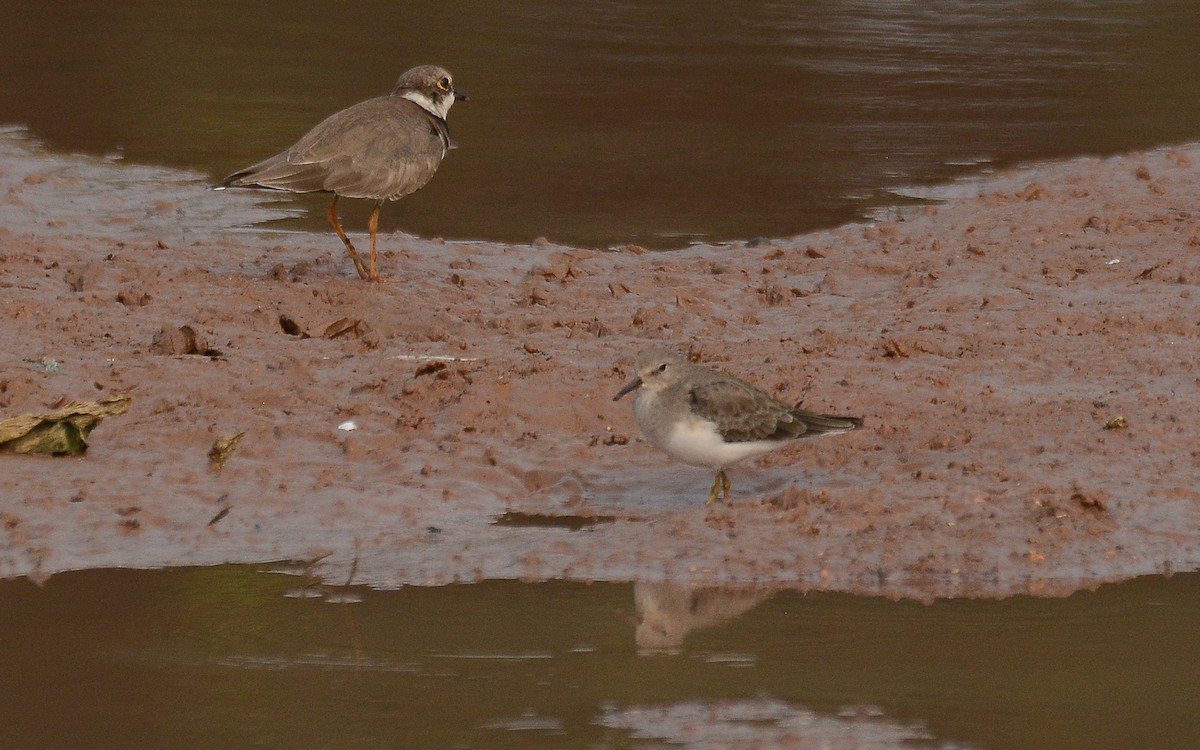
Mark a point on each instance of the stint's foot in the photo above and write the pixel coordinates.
(720, 486)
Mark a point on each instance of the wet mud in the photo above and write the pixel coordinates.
(1022, 349)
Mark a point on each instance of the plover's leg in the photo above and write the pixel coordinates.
(337, 227)
(373, 226)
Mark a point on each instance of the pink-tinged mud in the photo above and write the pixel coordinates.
(990, 343)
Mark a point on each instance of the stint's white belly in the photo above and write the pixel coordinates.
(697, 442)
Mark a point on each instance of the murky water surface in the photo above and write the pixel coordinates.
(237, 657)
(657, 122)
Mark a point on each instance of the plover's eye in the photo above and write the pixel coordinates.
(662, 367)
(444, 84)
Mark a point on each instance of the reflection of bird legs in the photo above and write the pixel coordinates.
(337, 227)
(721, 485)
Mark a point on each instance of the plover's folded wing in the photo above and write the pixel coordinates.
(383, 148)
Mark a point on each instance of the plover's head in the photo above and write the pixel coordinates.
(656, 369)
(431, 87)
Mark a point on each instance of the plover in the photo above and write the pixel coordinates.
(383, 149)
(706, 418)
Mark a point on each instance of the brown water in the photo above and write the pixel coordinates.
(654, 122)
(231, 657)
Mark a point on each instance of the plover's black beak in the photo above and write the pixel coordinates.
(461, 97)
(633, 386)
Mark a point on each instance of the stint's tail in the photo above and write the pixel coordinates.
(825, 424)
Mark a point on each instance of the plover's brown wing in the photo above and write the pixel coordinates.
(743, 412)
(383, 148)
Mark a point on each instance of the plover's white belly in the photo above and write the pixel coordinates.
(697, 442)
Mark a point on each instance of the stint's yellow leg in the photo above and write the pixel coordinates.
(373, 226)
(720, 487)
(716, 490)
(332, 216)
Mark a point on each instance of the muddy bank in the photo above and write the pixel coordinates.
(987, 341)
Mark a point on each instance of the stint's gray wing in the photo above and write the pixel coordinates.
(743, 413)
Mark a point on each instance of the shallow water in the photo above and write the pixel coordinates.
(648, 122)
(235, 657)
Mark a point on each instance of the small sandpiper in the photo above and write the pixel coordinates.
(383, 149)
(706, 418)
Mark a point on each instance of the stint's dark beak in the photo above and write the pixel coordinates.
(461, 97)
(632, 386)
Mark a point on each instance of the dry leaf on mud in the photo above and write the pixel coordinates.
(345, 327)
(222, 449)
(352, 328)
(179, 341)
(62, 432)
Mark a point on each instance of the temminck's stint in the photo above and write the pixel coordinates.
(707, 418)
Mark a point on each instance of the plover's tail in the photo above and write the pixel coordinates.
(277, 173)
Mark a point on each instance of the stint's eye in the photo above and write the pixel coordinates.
(444, 83)
(662, 367)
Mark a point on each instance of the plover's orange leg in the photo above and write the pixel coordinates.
(373, 226)
(337, 227)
